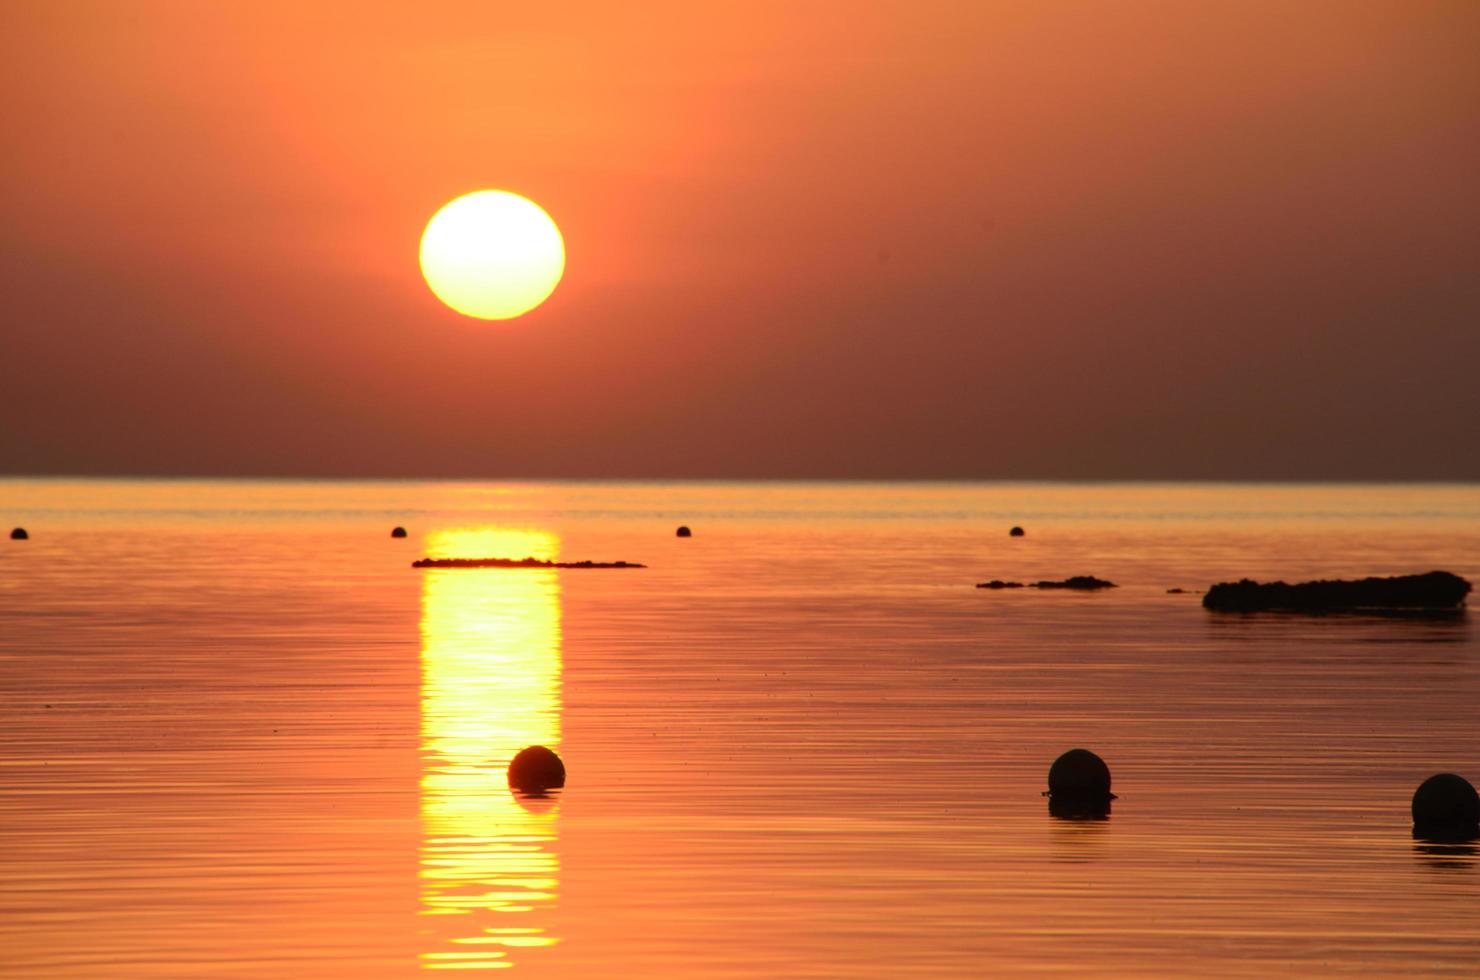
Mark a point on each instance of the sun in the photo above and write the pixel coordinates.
(492, 255)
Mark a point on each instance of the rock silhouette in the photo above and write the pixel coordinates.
(1434, 590)
(1086, 583)
(536, 769)
(684, 532)
(398, 532)
(1016, 532)
(1446, 806)
(19, 534)
(517, 563)
(1079, 786)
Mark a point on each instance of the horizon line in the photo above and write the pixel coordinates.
(526, 479)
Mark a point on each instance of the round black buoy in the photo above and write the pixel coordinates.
(1079, 785)
(19, 534)
(684, 532)
(535, 770)
(1446, 805)
(1016, 532)
(398, 532)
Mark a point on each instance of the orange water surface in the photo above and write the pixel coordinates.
(240, 736)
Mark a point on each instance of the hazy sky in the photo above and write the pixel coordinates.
(853, 239)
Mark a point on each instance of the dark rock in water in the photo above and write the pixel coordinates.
(19, 534)
(1079, 786)
(1016, 532)
(1435, 590)
(536, 769)
(1083, 582)
(684, 532)
(398, 532)
(1176, 591)
(1446, 805)
(517, 563)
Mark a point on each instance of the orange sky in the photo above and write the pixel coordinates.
(977, 239)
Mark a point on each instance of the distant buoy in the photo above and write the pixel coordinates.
(1079, 785)
(535, 770)
(684, 532)
(398, 532)
(1016, 532)
(19, 534)
(1446, 805)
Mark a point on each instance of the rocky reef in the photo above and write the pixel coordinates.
(1084, 583)
(1434, 590)
(517, 563)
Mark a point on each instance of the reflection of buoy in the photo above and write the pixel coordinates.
(684, 532)
(1446, 804)
(1079, 785)
(1016, 532)
(19, 534)
(535, 770)
(398, 532)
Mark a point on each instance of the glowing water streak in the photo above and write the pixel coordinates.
(490, 656)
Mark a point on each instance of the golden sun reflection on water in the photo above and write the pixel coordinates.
(490, 661)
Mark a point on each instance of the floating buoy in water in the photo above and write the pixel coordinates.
(1079, 785)
(19, 534)
(1446, 805)
(398, 532)
(535, 770)
(1016, 532)
(684, 532)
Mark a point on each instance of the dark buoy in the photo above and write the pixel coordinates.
(1016, 532)
(684, 532)
(535, 770)
(398, 532)
(1079, 786)
(19, 534)
(1446, 805)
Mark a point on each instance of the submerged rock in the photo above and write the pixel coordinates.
(1446, 805)
(398, 532)
(1434, 590)
(684, 532)
(536, 769)
(997, 583)
(1016, 532)
(19, 534)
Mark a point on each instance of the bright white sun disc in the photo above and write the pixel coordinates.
(492, 255)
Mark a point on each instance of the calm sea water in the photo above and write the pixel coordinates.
(242, 737)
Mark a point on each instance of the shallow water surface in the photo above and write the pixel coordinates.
(241, 736)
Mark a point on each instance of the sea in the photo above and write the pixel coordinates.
(241, 736)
